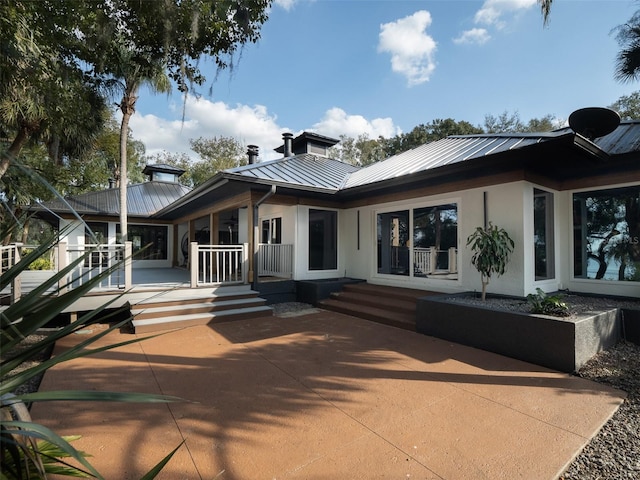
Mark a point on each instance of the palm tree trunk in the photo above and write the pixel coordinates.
(124, 131)
(14, 149)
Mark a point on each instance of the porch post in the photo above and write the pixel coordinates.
(214, 230)
(193, 260)
(128, 262)
(16, 283)
(245, 262)
(61, 250)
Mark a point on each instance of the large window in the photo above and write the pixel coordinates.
(323, 240)
(606, 234)
(543, 235)
(149, 242)
(421, 242)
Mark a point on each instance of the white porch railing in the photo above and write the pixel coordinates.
(275, 260)
(425, 260)
(218, 264)
(9, 256)
(99, 259)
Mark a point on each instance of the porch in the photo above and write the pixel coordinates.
(214, 288)
(209, 266)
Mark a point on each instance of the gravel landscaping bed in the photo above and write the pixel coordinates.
(577, 304)
(614, 453)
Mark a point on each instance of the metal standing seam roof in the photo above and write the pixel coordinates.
(440, 153)
(143, 199)
(624, 139)
(305, 170)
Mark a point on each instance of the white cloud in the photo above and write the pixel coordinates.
(336, 122)
(252, 125)
(204, 118)
(492, 11)
(285, 4)
(478, 36)
(412, 50)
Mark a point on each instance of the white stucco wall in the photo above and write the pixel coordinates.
(505, 205)
(509, 206)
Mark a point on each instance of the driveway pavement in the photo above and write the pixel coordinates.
(324, 396)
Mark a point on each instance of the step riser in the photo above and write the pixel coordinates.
(388, 305)
(409, 324)
(143, 315)
(375, 301)
(190, 301)
(400, 293)
(156, 327)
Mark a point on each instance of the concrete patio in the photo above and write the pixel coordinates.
(324, 396)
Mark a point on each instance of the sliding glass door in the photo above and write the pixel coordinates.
(419, 242)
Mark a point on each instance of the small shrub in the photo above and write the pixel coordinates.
(491, 248)
(41, 264)
(545, 304)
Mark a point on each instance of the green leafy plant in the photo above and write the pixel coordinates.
(545, 304)
(28, 449)
(491, 248)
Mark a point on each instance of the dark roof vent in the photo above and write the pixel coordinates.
(594, 122)
(287, 138)
(163, 172)
(306, 142)
(252, 153)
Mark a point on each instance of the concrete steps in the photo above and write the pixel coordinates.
(194, 307)
(388, 305)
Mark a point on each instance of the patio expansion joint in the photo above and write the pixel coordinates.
(170, 410)
(511, 408)
(528, 415)
(346, 414)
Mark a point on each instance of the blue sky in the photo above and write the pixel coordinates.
(382, 67)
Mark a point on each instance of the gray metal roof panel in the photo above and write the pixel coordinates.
(303, 170)
(624, 139)
(143, 199)
(447, 151)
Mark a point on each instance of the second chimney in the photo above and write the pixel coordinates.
(288, 139)
(252, 153)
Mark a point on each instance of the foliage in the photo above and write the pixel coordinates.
(628, 59)
(100, 164)
(216, 154)
(53, 460)
(358, 151)
(43, 96)
(430, 132)
(628, 106)
(21, 441)
(41, 263)
(545, 304)
(491, 248)
(180, 160)
(511, 123)
(612, 221)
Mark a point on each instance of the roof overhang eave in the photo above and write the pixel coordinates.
(212, 184)
(278, 183)
(586, 145)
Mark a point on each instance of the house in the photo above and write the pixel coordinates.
(570, 201)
